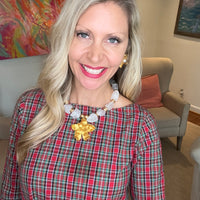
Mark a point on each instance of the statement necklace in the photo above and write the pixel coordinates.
(83, 128)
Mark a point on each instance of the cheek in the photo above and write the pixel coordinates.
(73, 53)
(116, 55)
(75, 50)
(78, 48)
(116, 59)
(73, 58)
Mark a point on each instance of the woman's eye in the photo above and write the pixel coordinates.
(114, 40)
(82, 35)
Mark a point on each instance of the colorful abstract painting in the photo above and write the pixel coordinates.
(24, 26)
(188, 18)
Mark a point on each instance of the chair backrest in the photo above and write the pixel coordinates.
(161, 66)
(16, 76)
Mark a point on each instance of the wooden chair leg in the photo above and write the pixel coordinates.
(179, 142)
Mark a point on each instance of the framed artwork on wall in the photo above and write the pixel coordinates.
(188, 18)
(24, 26)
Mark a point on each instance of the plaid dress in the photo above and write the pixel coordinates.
(122, 157)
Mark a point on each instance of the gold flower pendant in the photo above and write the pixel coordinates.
(82, 129)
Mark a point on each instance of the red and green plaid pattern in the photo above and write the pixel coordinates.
(123, 152)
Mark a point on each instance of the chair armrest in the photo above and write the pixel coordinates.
(179, 106)
(176, 104)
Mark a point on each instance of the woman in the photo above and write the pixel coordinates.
(76, 137)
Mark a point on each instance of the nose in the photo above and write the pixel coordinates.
(96, 52)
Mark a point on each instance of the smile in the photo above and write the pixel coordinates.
(92, 71)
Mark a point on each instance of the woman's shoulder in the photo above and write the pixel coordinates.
(27, 107)
(137, 113)
(34, 93)
(31, 98)
(142, 112)
(141, 123)
(133, 110)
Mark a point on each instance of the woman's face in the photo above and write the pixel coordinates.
(99, 45)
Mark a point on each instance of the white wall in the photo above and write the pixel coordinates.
(150, 18)
(158, 21)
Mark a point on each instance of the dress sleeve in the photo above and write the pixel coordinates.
(147, 178)
(10, 183)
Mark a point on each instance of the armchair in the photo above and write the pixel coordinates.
(172, 116)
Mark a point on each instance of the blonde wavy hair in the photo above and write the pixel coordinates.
(55, 79)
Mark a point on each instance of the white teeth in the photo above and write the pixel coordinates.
(92, 71)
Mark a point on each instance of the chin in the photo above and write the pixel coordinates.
(93, 85)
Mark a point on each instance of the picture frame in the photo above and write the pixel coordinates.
(188, 18)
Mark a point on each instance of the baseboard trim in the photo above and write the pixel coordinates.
(194, 118)
(195, 109)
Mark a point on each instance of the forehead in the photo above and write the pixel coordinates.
(107, 15)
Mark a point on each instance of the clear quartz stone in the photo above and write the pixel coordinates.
(109, 106)
(114, 86)
(76, 113)
(101, 112)
(92, 118)
(68, 108)
(115, 95)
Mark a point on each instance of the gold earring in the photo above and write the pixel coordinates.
(124, 61)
